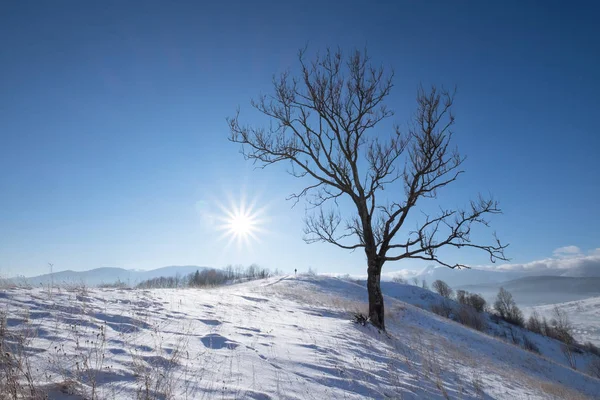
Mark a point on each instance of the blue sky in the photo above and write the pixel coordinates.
(113, 148)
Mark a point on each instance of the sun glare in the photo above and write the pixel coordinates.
(241, 223)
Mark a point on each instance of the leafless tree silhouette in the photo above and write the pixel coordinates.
(323, 123)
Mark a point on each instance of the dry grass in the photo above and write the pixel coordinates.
(468, 316)
(16, 373)
(594, 368)
(555, 391)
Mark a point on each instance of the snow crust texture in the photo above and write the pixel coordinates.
(279, 338)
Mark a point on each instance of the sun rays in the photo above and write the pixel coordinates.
(241, 223)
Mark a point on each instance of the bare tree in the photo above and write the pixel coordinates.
(507, 308)
(322, 123)
(442, 289)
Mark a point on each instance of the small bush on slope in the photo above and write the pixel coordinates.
(594, 368)
(443, 309)
(471, 299)
(507, 309)
(592, 348)
(535, 324)
(529, 345)
(470, 317)
(442, 288)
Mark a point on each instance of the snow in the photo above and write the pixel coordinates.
(584, 315)
(279, 338)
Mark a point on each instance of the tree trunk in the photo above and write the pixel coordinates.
(376, 310)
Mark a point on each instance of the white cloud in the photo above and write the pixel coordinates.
(566, 251)
(588, 265)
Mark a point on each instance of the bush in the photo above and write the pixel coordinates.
(471, 299)
(16, 370)
(535, 324)
(119, 284)
(444, 309)
(470, 317)
(591, 348)
(560, 327)
(529, 345)
(442, 289)
(507, 309)
(594, 368)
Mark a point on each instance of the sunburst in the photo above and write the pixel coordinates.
(241, 222)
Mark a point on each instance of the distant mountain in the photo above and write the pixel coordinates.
(95, 277)
(589, 269)
(538, 290)
(456, 277)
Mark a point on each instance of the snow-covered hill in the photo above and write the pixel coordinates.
(279, 338)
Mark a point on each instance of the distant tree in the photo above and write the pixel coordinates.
(534, 324)
(424, 285)
(195, 279)
(507, 309)
(477, 302)
(442, 289)
(471, 299)
(323, 124)
(561, 326)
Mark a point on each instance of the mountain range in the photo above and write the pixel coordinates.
(98, 276)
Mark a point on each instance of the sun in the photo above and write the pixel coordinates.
(241, 223)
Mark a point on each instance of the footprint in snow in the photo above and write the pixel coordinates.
(248, 329)
(217, 342)
(212, 322)
(256, 299)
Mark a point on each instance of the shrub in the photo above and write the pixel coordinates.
(16, 371)
(119, 284)
(535, 324)
(561, 328)
(591, 348)
(469, 316)
(360, 318)
(567, 350)
(594, 368)
(399, 279)
(529, 345)
(507, 309)
(444, 309)
(471, 299)
(442, 289)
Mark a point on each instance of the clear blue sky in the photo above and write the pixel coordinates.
(113, 148)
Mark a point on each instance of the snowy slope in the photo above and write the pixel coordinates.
(280, 338)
